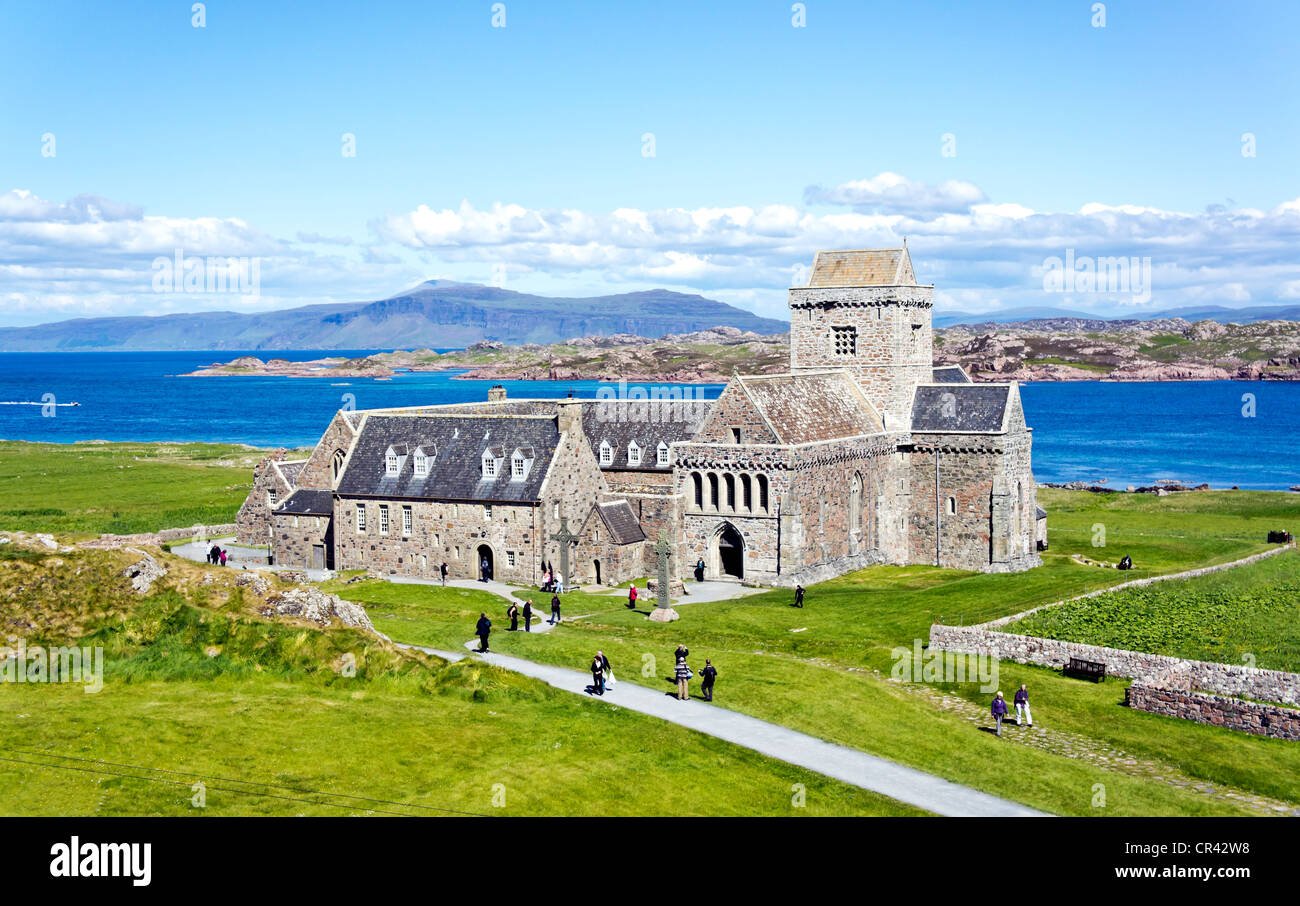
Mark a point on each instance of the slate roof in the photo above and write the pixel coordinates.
(863, 267)
(1041, 513)
(946, 408)
(624, 527)
(812, 406)
(291, 470)
(307, 502)
(950, 374)
(456, 472)
(647, 422)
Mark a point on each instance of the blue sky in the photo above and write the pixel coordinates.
(516, 154)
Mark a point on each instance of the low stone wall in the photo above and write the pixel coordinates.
(1152, 669)
(112, 542)
(1217, 710)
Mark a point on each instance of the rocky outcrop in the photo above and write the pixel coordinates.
(144, 572)
(317, 607)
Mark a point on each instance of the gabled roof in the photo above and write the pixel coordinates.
(648, 422)
(290, 469)
(811, 406)
(457, 473)
(961, 408)
(624, 527)
(307, 502)
(950, 374)
(863, 267)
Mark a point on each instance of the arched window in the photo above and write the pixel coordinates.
(746, 494)
(713, 491)
(952, 506)
(698, 481)
(855, 505)
(730, 482)
(762, 493)
(336, 464)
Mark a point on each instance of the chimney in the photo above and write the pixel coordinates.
(569, 416)
(496, 394)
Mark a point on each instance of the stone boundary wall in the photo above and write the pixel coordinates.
(1217, 710)
(157, 539)
(1202, 691)
(1152, 669)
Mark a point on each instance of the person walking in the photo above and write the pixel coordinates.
(483, 570)
(559, 583)
(483, 630)
(442, 571)
(528, 615)
(555, 609)
(223, 557)
(609, 671)
(999, 711)
(798, 596)
(631, 597)
(707, 676)
(513, 613)
(1023, 716)
(597, 675)
(683, 674)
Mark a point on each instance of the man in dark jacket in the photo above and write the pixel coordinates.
(555, 609)
(442, 570)
(598, 675)
(681, 652)
(513, 613)
(528, 615)
(707, 676)
(999, 711)
(482, 630)
(798, 596)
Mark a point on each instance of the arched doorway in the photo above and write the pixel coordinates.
(729, 552)
(486, 565)
(595, 565)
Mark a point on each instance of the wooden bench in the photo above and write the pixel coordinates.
(1089, 670)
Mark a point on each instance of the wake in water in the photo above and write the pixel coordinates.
(30, 403)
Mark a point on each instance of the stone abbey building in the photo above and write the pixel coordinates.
(862, 453)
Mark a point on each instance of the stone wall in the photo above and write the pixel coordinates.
(440, 532)
(338, 437)
(1217, 710)
(297, 536)
(253, 523)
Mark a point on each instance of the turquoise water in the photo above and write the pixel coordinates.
(1124, 433)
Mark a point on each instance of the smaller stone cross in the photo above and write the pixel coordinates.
(566, 538)
(663, 550)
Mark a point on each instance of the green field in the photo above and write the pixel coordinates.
(198, 690)
(91, 488)
(1250, 614)
(825, 669)
(269, 707)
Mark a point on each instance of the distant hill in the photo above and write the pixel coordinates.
(436, 313)
(1217, 313)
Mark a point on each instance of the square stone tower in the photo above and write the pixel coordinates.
(863, 311)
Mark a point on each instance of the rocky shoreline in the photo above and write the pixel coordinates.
(1062, 349)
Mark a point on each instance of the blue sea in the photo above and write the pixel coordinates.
(1088, 431)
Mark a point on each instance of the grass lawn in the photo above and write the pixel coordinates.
(121, 488)
(197, 687)
(1249, 614)
(825, 669)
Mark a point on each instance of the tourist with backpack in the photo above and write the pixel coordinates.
(707, 676)
(555, 609)
(483, 629)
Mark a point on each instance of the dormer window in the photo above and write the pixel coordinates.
(422, 462)
(606, 453)
(633, 454)
(492, 458)
(393, 459)
(521, 462)
(661, 454)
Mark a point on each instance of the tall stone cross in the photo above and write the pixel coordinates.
(663, 550)
(566, 538)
